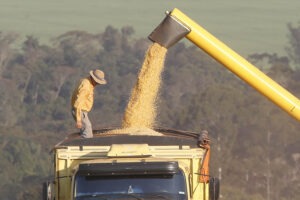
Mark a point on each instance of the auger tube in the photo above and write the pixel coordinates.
(169, 32)
(238, 65)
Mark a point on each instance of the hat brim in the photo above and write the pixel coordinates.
(97, 80)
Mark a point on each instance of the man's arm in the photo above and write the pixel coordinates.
(78, 118)
(78, 104)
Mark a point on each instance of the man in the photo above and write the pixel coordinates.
(82, 101)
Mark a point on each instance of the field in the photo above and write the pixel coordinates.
(246, 26)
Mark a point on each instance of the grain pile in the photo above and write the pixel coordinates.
(141, 111)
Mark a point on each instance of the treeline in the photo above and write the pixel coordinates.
(255, 144)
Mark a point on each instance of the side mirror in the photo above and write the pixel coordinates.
(47, 191)
(214, 188)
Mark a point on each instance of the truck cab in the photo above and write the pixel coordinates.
(166, 165)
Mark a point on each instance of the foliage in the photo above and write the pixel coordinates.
(294, 47)
(254, 142)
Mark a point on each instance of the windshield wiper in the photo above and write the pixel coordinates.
(109, 197)
(165, 196)
(160, 196)
(130, 196)
(93, 197)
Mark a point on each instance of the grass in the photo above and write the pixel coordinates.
(246, 26)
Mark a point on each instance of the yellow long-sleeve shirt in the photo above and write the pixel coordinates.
(83, 97)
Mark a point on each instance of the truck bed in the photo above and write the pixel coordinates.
(168, 137)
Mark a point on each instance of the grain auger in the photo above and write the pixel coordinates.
(176, 25)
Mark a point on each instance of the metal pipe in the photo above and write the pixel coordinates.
(239, 66)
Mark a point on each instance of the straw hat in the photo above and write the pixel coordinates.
(98, 76)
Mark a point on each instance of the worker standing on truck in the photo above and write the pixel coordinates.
(83, 99)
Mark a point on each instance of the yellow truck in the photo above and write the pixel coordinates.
(170, 165)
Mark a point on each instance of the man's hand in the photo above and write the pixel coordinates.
(79, 124)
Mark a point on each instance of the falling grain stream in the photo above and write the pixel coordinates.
(140, 114)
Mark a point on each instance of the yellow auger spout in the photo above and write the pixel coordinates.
(177, 25)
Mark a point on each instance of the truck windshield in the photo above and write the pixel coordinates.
(131, 187)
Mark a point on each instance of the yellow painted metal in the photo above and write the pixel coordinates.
(239, 66)
(67, 161)
(129, 150)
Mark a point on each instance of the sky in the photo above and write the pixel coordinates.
(255, 26)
